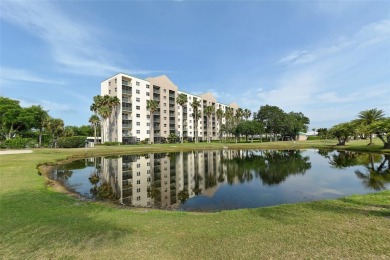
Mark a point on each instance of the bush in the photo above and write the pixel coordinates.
(18, 143)
(71, 142)
(112, 143)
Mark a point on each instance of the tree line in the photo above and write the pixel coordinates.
(33, 126)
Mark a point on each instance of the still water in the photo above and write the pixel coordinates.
(225, 179)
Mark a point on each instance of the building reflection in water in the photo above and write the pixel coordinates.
(164, 180)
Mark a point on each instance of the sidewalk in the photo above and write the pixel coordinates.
(14, 151)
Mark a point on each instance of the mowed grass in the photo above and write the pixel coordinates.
(39, 222)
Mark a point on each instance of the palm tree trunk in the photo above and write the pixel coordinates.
(370, 139)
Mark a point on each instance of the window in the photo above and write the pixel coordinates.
(138, 181)
(165, 125)
(147, 131)
(138, 123)
(115, 89)
(147, 124)
(138, 173)
(165, 104)
(138, 139)
(109, 92)
(139, 198)
(165, 91)
(115, 81)
(148, 163)
(147, 85)
(138, 165)
(137, 115)
(147, 94)
(109, 83)
(138, 190)
(165, 132)
(138, 131)
(137, 83)
(137, 99)
(138, 107)
(148, 116)
(165, 97)
(165, 118)
(137, 91)
(165, 111)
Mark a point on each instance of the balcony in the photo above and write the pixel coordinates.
(126, 126)
(126, 92)
(126, 108)
(155, 91)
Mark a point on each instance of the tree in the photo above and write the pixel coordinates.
(369, 117)
(273, 118)
(39, 118)
(382, 129)
(152, 106)
(229, 113)
(209, 110)
(250, 128)
(295, 123)
(182, 100)
(342, 132)
(196, 114)
(220, 114)
(105, 106)
(94, 120)
(247, 114)
(12, 117)
(55, 127)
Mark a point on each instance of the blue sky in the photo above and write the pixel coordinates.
(327, 59)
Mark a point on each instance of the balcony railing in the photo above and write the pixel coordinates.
(126, 125)
(126, 108)
(127, 92)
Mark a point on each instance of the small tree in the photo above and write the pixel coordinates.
(369, 118)
(342, 132)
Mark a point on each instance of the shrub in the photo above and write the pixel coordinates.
(18, 143)
(71, 142)
(112, 143)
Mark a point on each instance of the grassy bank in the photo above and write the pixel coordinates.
(38, 222)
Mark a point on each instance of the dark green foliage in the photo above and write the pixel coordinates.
(72, 142)
(18, 143)
(112, 143)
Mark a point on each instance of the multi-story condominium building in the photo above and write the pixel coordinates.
(131, 121)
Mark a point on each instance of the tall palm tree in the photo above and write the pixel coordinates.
(229, 119)
(238, 118)
(104, 112)
(181, 100)
(247, 113)
(94, 120)
(209, 110)
(195, 106)
(369, 117)
(55, 127)
(152, 106)
(220, 115)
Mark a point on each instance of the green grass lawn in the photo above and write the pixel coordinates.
(39, 222)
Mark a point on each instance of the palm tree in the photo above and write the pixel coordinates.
(181, 100)
(94, 120)
(104, 113)
(369, 117)
(220, 115)
(55, 127)
(247, 113)
(209, 110)
(229, 119)
(195, 106)
(152, 106)
(238, 118)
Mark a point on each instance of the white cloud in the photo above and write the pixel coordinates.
(72, 43)
(11, 74)
(49, 105)
(370, 34)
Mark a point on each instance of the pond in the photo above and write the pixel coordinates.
(225, 179)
